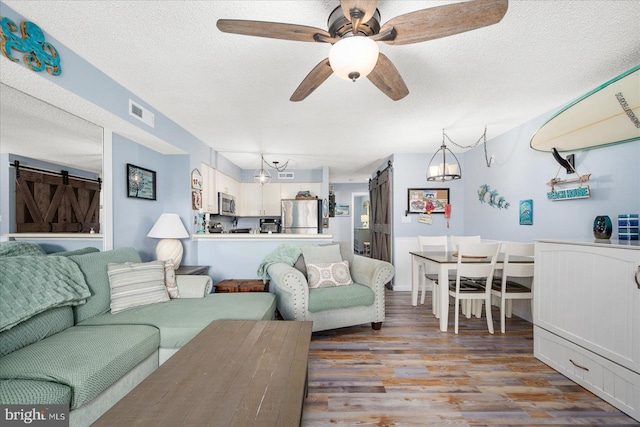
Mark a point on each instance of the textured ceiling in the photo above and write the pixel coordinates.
(232, 91)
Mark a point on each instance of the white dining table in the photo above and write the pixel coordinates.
(444, 262)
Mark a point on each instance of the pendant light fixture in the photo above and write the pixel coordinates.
(444, 165)
(262, 176)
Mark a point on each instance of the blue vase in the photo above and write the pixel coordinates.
(602, 227)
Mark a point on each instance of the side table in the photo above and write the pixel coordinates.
(242, 285)
(192, 270)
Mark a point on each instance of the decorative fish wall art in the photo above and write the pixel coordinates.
(491, 197)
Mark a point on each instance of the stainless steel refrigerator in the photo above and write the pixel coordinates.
(302, 216)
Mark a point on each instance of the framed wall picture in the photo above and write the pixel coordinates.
(325, 222)
(196, 179)
(421, 200)
(526, 212)
(141, 182)
(342, 210)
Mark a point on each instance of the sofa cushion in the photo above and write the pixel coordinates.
(33, 392)
(20, 248)
(325, 275)
(94, 268)
(321, 254)
(35, 329)
(179, 320)
(87, 358)
(81, 251)
(338, 297)
(135, 284)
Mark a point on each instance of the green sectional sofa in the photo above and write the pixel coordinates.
(76, 351)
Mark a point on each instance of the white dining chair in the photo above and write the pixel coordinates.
(512, 283)
(431, 244)
(456, 240)
(467, 287)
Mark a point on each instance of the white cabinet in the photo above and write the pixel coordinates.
(209, 189)
(289, 190)
(260, 200)
(587, 317)
(228, 185)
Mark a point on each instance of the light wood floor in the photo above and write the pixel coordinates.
(410, 374)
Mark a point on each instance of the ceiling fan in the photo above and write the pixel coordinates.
(353, 30)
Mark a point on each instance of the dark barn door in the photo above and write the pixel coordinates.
(50, 203)
(380, 216)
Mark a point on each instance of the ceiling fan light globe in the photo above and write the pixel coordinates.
(354, 56)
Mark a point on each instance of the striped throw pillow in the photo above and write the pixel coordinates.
(135, 284)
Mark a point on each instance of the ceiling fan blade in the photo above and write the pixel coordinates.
(274, 30)
(443, 21)
(358, 11)
(315, 78)
(387, 78)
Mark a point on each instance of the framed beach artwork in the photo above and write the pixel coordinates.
(526, 212)
(343, 210)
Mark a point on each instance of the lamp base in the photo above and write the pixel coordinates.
(170, 249)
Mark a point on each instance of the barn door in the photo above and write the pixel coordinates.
(51, 203)
(380, 215)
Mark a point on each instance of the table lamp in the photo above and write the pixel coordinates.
(169, 228)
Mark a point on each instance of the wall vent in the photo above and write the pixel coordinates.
(141, 113)
(285, 175)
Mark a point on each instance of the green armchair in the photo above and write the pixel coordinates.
(333, 307)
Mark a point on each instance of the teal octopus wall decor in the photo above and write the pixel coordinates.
(39, 54)
(492, 198)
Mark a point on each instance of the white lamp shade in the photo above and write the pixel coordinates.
(353, 57)
(168, 226)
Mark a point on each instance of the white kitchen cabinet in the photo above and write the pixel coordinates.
(209, 189)
(587, 317)
(228, 185)
(289, 190)
(260, 200)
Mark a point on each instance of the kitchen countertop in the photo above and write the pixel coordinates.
(261, 236)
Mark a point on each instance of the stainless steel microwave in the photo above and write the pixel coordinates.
(226, 204)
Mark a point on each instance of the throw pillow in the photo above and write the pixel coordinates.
(324, 275)
(170, 279)
(136, 284)
(322, 254)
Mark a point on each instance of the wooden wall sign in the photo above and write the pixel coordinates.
(39, 55)
(569, 193)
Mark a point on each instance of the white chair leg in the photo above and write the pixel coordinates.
(489, 319)
(502, 314)
(457, 313)
(423, 290)
(509, 308)
(477, 308)
(467, 308)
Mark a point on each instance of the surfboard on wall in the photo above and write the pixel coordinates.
(609, 114)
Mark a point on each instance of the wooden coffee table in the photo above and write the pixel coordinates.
(233, 373)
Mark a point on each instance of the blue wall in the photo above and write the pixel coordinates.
(133, 218)
(521, 173)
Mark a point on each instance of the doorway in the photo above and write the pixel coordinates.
(360, 231)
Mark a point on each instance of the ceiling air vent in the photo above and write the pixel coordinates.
(141, 113)
(285, 175)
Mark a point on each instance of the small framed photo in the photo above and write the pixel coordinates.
(342, 210)
(526, 212)
(325, 222)
(196, 200)
(196, 179)
(427, 200)
(141, 183)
